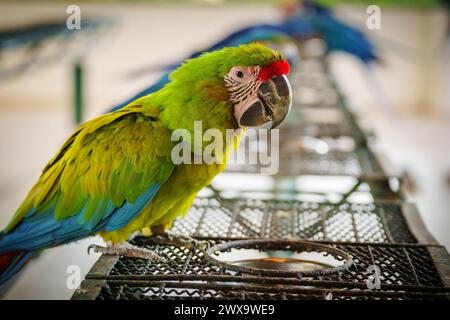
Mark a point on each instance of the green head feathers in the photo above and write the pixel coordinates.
(218, 88)
(215, 65)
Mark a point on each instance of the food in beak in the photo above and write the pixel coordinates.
(272, 106)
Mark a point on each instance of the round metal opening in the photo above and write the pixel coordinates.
(280, 257)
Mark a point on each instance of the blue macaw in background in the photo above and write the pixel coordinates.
(259, 32)
(32, 40)
(262, 32)
(338, 35)
(307, 20)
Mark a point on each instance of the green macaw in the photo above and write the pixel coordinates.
(115, 175)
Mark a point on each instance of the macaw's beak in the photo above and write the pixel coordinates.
(271, 106)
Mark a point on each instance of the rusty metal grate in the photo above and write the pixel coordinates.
(289, 219)
(407, 272)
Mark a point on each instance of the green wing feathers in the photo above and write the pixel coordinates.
(115, 157)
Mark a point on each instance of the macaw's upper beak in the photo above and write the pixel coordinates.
(271, 106)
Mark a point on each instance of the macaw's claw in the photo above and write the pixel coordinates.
(178, 240)
(127, 250)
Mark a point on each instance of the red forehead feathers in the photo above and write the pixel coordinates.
(274, 69)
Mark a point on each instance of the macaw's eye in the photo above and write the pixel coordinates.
(239, 74)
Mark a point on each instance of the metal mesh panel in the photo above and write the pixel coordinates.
(248, 218)
(299, 161)
(331, 163)
(318, 112)
(325, 122)
(407, 272)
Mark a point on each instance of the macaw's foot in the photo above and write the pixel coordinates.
(168, 238)
(127, 250)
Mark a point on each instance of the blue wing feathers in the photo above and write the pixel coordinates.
(42, 230)
(122, 216)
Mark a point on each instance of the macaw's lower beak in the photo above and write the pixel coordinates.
(271, 106)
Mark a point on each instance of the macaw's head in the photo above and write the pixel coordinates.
(247, 83)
